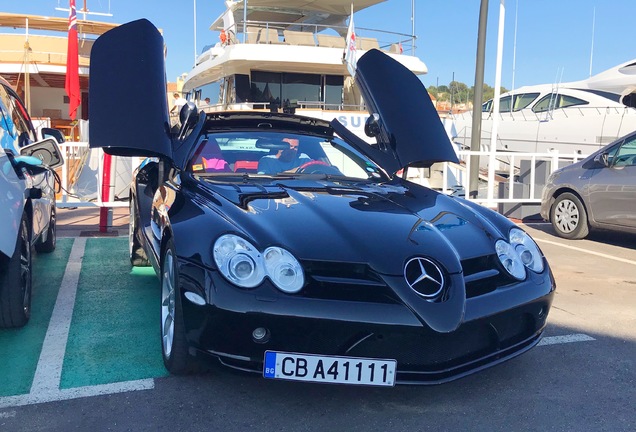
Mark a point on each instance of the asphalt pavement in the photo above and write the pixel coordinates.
(109, 375)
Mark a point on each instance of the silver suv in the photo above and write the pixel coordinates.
(27, 203)
(597, 192)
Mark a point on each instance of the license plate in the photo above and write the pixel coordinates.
(329, 369)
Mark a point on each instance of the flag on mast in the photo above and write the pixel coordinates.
(350, 56)
(72, 85)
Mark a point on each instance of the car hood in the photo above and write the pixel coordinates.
(382, 225)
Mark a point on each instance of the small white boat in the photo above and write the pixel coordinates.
(575, 117)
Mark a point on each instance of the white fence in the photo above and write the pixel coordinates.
(512, 169)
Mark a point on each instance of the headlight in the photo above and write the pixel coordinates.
(527, 250)
(284, 270)
(243, 265)
(510, 259)
(238, 261)
(521, 252)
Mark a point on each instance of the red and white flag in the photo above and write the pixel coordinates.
(72, 85)
(350, 55)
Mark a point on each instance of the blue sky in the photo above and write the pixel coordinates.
(554, 37)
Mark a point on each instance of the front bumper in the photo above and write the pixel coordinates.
(497, 326)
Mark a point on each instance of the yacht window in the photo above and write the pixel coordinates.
(504, 104)
(568, 101)
(212, 91)
(310, 90)
(241, 88)
(523, 100)
(553, 101)
(487, 106)
(266, 87)
(334, 85)
(301, 87)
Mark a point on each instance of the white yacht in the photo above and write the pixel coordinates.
(288, 55)
(575, 117)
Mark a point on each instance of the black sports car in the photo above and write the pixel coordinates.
(287, 246)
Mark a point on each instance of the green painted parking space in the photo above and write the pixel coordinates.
(20, 348)
(114, 333)
(114, 330)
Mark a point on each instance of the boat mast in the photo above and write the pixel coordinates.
(27, 67)
(413, 26)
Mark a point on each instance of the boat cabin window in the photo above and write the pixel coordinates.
(212, 91)
(523, 100)
(308, 90)
(554, 101)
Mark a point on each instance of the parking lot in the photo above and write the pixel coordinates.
(90, 358)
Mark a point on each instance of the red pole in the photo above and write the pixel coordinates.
(103, 211)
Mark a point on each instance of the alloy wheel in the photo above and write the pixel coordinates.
(168, 297)
(25, 268)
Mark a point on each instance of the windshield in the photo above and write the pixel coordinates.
(279, 154)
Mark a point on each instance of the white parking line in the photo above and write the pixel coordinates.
(553, 340)
(48, 374)
(49, 370)
(76, 393)
(612, 257)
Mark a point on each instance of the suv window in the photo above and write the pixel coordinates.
(626, 154)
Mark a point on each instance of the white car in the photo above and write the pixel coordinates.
(27, 204)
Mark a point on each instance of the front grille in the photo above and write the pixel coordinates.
(483, 275)
(346, 281)
(430, 351)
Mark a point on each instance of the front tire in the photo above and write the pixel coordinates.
(51, 235)
(569, 218)
(16, 281)
(174, 346)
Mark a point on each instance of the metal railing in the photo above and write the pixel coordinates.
(451, 177)
(513, 169)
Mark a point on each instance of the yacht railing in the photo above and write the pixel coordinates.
(567, 112)
(387, 40)
(267, 106)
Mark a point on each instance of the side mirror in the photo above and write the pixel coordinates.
(53, 133)
(188, 116)
(46, 151)
(602, 159)
(372, 125)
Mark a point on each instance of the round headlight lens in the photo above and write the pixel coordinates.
(527, 250)
(243, 265)
(284, 270)
(510, 259)
(238, 261)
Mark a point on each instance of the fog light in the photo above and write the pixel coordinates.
(541, 313)
(260, 335)
(195, 298)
